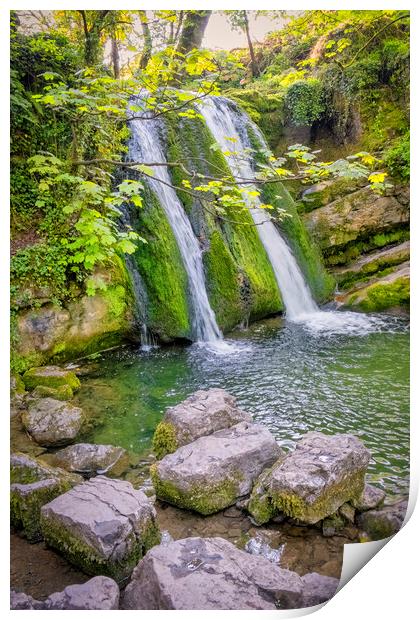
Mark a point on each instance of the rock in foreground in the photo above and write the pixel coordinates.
(203, 413)
(213, 472)
(103, 526)
(209, 573)
(97, 593)
(34, 484)
(313, 481)
(91, 459)
(52, 422)
(50, 376)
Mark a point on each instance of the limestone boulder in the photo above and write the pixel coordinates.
(50, 376)
(104, 526)
(385, 522)
(371, 498)
(318, 589)
(51, 422)
(210, 573)
(313, 481)
(214, 471)
(90, 459)
(63, 392)
(203, 413)
(34, 484)
(97, 593)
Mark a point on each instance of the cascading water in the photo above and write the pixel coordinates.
(228, 126)
(146, 145)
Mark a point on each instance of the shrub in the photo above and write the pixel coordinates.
(305, 101)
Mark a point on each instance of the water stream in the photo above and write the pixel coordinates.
(146, 145)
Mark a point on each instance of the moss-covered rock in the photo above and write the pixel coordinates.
(85, 325)
(214, 471)
(313, 481)
(103, 526)
(34, 484)
(50, 377)
(387, 293)
(63, 392)
(379, 524)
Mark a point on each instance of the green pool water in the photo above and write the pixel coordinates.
(291, 379)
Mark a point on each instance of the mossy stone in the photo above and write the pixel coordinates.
(164, 440)
(63, 392)
(51, 377)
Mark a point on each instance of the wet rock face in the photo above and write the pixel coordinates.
(52, 422)
(92, 459)
(33, 485)
(97, 593)
(103, 526)
(210, 573)
(382, 523)
(313, 481)
(50, 376)
(203, 413)
(212, 472)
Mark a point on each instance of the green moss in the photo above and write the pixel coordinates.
(382, 296)
(343, 254)
(164, 440)
(261, 508)
(41, 376)
(162, 271)
(205, 499)
(63, 392)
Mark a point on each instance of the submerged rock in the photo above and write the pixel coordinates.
(313, 481)
(52, 422)
(213, 472)
(50, 376)
(203, 413)
(97, 593)
(63, 392)
(382, 523)
(91, 459)
(210, 573)
(371, 498)
(34, 484)
(103, 526)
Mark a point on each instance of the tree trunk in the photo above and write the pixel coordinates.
(148, 42)
(254, 66)
(115, 55)
(192, 33)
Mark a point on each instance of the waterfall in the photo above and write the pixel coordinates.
(225, 124)
(146, 145)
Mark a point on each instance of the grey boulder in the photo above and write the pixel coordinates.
(385, 522)
(203, 413)
(318, 589)
(92, 459)
(97, 593)
(103, 526)
(371, 498)
(52, 422)
(210, 573)
(214, 471)
(313, 481)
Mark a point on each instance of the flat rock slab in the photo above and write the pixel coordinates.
(97, 593)
(50, 376)
(34, 484)
(214, 471)
(203, 413)
(104, 526)
(91, 459)
(313, 481)
(52, 422)
(210, 573)
(379, 524)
